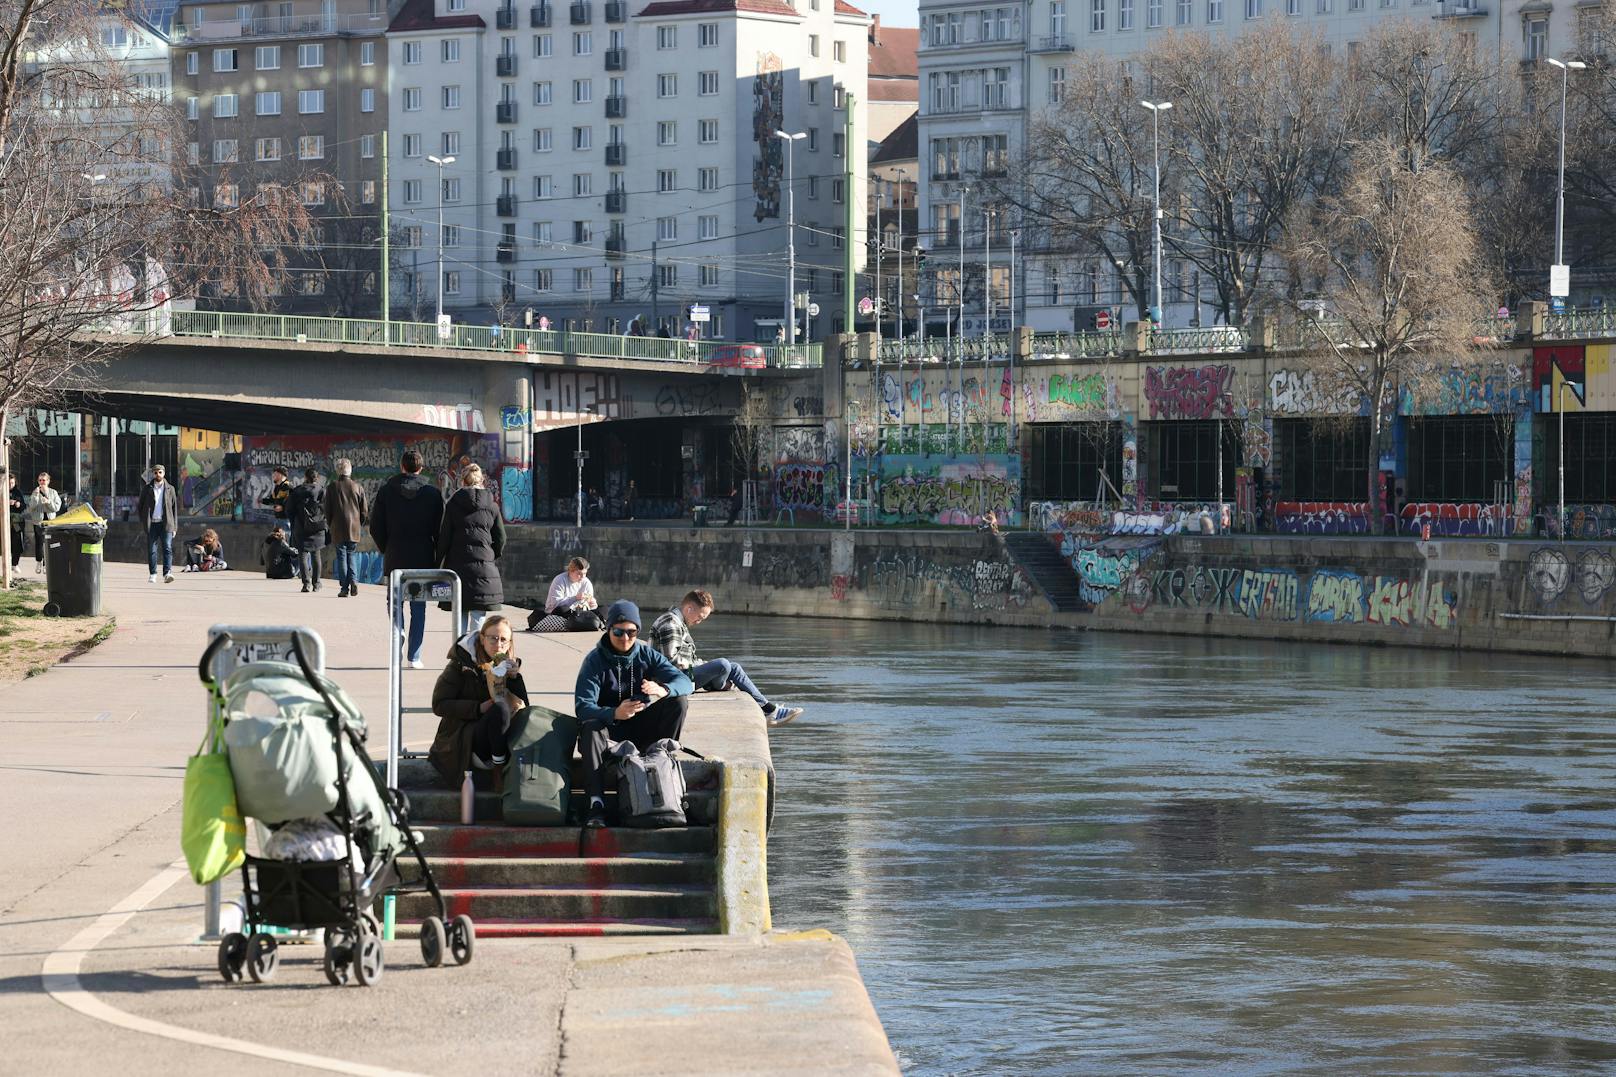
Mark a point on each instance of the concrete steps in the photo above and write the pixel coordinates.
(567, 904)
(1042, 561)
(596, 871)
(490, 928)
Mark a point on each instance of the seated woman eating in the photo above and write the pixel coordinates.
(476, 696)
(205, 554)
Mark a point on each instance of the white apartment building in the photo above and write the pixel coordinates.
(615, 160)
(985, 69)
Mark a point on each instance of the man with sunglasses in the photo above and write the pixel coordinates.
(626, 690)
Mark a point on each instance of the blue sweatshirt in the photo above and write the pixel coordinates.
(606, 678)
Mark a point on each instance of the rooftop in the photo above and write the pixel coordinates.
(419, 15)
(703, 7)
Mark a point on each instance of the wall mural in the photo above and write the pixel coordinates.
(768, 116)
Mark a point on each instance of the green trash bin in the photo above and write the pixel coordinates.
(73, 569)
(698, 516)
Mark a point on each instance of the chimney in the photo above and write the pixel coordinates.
(875, 30)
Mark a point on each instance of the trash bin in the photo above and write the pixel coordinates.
(698, 516)
(73, 566)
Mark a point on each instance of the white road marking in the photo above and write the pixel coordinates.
(61, 979)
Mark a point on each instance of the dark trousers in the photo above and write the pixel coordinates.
(309, 567)
(159, 541)
(664, 718)
(39, 543)
(16, 548)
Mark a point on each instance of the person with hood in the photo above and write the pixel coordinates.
(476, 696)
(345, 511)
(404, 522)
(205, 553)
(310, 531)
(626, 690)
(470, 540)
(279, 491)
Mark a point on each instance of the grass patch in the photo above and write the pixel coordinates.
(31, 643)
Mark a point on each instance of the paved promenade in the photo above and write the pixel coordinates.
(93, 761)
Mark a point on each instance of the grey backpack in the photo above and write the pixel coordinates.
(650, 784)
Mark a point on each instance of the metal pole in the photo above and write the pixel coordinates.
(1010, 429)
(1155, 155)
(987, 271)
(847, 478)
(878, 296)
(1559, 193)
(899, 289)
(78, 456)
(960, 332)
(439, 288)
(579, 456)
(1563, 385)
(112, 467)
(850, 221)
(387, 250)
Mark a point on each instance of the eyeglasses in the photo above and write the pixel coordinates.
(625, 633)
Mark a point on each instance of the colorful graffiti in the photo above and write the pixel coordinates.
(1411, 603)
(1329, 596)
(1553, 367)
(804, 486)
(1452, 520)
(1103, 570)
(1336, 597)
(1304, 392)
(1189, 392)
(768, 115)
(1472, 390)
(916, 489)
(375, 460)
(1321, 517)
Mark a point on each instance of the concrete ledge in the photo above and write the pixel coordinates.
(743, 874)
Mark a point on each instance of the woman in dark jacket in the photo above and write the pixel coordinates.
(206, 553)
(305, 509)
(475, 698)
(469, 542)
(280, 561)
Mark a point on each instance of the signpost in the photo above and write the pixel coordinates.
(445, 326)
(699, 313)
(1102, 320)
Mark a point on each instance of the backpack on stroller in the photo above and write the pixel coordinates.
(338, 832)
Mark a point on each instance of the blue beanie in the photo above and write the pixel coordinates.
(623, 610)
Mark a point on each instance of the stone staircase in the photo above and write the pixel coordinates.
(1041, 559)
(517, 881)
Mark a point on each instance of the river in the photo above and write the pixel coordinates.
(1061, 853)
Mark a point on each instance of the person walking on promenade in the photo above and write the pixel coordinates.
(43, 505)
(734, 505)
(670, 634)
(404, 522)
(626, 690)
(279, 492)
(628, 499)
(470, 540)
(310, 531)
(475, 697)
(346, 515)
(572, 598)
(159, 512)
(17, 505)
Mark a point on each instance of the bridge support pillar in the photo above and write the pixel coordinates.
(509, 409)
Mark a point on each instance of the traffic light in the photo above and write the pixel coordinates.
(920, 258)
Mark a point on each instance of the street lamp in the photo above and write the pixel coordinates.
(1156, 109)
(791, 238)
(1564, 385)
(441, 162)
(1566, 67)
(581, 456)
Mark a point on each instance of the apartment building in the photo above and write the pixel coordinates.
(294, 93)
(985, 70)
(599, 161)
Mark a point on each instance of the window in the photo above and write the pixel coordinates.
(412, 193)
(451, 282)
(1057, 84)
(707, 132)
(583, 138)
(1253, 9)
(312, 282)
(583, 43)
(449, 50)
(667, 37)
(412, 52)
(1214, 11)
(542, 232)
(224, 151)
(311, 147)
(541, 93)
(412, 145)
(583, 279)
(667, 133)
(542, 283)
(543, 187)
(541, 45)
(1153, 14)
(451, 189)
(227, 196)
(191, 64)
(995, 155)
(1096, 16)
(667, 179)
(836, 238)
(367, 54)
(837, 283)
(707, 83)
(583, 184)
(945, 158)
(310, 102)
(451, 235)
(707, 35)
(412, 99)
(813, 44)
(267, 57)
(1057, 18)
(451, 97)
(542, 142)
(709, 276)
(667, 85)
(668, 276)
(813, 91)
(838, 51)
(312, 194)
(583, 91)
(367, 146)
(996, 82)
(813, 186)
(225, 59)
(190, 108)
(836, 188)
(1186, 11)
(838, 144)
(1537, 38)
(707, 179)
(114, 37)
(450, 143)
(267, 103)
(367, 99)
(707, 227)
(224, 106)
(268, 149)
(667, 228)
(311, 55)
(367, 192)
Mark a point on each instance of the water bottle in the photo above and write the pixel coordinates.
(468, 797)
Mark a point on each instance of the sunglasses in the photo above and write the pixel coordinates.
(625, 633)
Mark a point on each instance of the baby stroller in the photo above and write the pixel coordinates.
(303, 771)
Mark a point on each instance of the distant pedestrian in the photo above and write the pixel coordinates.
(279, 491)
(17, 505)
(593, 506)
(280, 560)
(346, 515)
(310, 532)
(404, 522)
(628, 499)
(670, 634)
(470, 540)
(544, 323)
(734, 505)
(663, 333)
(43, 505)
(159, 512)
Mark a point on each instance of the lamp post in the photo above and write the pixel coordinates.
(959, 330)
(441, 162)
(1564, 385)
(847, 478)
(1156, 109)
(1566, 67)
(580, 456)
(791, 238)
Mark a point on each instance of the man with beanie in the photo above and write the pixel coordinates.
(626, 690)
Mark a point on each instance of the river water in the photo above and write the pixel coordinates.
(1060, 853)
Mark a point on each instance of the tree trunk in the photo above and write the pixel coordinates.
(1375, 501)
(5, 505)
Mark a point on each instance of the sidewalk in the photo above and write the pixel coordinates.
(95, 756)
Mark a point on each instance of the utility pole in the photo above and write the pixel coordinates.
(791, 237)
(656, 305)
(848, 248)
(387, 250)
(959, 332)
(987, 271)
(877, 244)
(899, 289)
(1156, 109)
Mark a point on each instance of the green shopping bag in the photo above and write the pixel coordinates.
(212, 832)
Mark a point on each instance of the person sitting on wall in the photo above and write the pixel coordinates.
(570, 606)
(205, 553)
(670, 634)
(990, 524)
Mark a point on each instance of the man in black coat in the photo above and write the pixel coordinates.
(159, 511)
(404, 522)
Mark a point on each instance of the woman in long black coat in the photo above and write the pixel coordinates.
(469, 542)
(306, 511)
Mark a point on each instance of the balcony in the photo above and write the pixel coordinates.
(539, 17)
(616, 11)
(616, 201)
(504, 111)
(1460, 9)
(617, 154)
(581, 14)
(581, 233)
(1052, 43)
(505, 205)
(273, 26)
(614, 248)
(616, 107)
(505, 160)
(505, 66)
(616, 59)
(505, 18)
(505, 252)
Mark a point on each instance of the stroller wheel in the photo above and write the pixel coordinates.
(263, 957)
(462, 939)
(368, 960)
(232, 953)
(371, 922)
(434, 940)
(338, 955)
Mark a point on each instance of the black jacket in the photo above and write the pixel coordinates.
(469, 542)
(302, 537)
(457, 700)
(19, 505)
(277, 499)
(404, 521)
(279, 559)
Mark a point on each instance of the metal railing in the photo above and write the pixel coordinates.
(1094, 344)
(226, 325)
(1209, 338)
(1587, 322)
(311, 25)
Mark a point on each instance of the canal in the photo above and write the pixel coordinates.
(1061, 853)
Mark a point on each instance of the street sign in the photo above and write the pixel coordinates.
(1102, 320)
(1559, 281)
(813, 310)
(445, 326)
(699, 313)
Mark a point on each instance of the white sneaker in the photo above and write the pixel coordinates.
(168, 577)
(782, 715)
(415, 663)
(152, 578)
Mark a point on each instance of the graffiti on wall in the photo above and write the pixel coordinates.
(1182, 392)
(1104, 569)
(1553, 572)
(375, 460)
(1328, 596)
(915, 489)
(1321, 517)
(467, 417)
(768, 116)
(1560, 365)
(560, 397)
(1455, 519)
(903, 581)
(806, 486)
(1304, 392)
(1496, 389)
